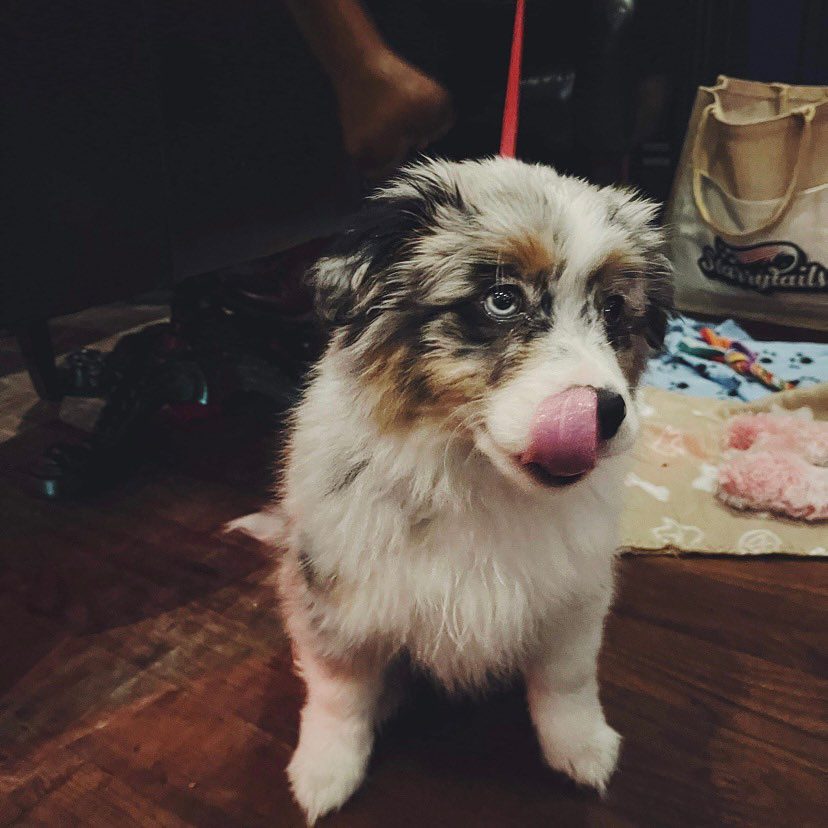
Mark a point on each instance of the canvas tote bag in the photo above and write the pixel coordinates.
(747, 219)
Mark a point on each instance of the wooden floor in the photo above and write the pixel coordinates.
(145, 680)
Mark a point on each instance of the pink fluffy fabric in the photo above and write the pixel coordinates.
(776, 463)
(780, 432)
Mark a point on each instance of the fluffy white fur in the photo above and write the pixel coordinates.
(441, 546)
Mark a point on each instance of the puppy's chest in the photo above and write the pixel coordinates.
(466, 601)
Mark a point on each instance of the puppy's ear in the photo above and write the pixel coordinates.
(345, 276)
(334, 279)
(638, 218)
(363, 267)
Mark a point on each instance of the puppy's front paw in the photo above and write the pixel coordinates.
(587, 757)
(325, 772)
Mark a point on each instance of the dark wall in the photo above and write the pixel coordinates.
(81, 161)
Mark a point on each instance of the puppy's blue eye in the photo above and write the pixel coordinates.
(503, 301)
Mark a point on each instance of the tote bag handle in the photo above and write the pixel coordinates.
(806, 113)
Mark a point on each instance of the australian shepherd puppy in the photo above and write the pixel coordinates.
(454, 473)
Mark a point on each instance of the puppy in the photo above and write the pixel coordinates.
(453, 477)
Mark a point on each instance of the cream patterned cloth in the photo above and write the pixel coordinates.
(670, 502)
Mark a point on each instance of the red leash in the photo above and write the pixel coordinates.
(511, 107)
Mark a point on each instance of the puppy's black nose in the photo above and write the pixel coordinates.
(611, 412)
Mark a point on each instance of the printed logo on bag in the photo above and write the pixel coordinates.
(763, 267)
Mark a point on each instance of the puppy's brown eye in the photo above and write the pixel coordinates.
(612, 311)
(503, 301)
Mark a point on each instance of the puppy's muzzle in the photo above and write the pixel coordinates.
(567, 430)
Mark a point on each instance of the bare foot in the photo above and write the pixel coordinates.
(388, 108)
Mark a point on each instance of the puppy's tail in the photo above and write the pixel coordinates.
(268, 526)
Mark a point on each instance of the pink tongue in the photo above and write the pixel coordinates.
(564, 435)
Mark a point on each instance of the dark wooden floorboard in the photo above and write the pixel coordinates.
(145, 679)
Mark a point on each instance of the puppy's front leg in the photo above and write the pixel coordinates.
(562, 690)
(336, 732)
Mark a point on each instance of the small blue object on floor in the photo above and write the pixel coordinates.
(805, 363)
